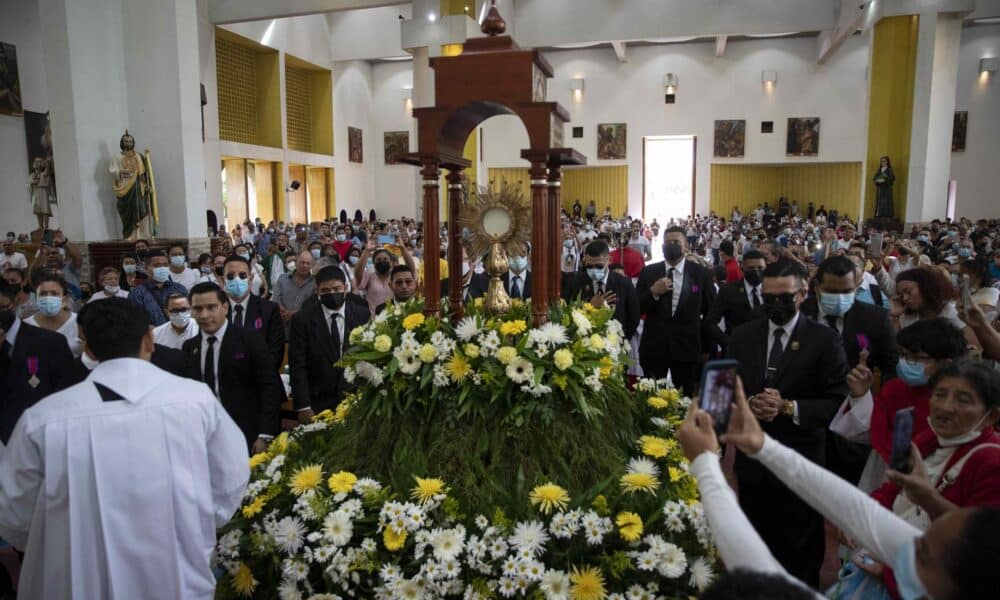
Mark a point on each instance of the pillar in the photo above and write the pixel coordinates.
(432, 233)
(455, 196)
(933, 115)
(541, 268)
(552, 244)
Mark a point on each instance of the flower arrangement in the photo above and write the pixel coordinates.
(309, 529)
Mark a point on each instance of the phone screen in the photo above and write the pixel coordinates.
(386, 239)
(718, 391)
(902, 437)
(966, 293)
(876, 245)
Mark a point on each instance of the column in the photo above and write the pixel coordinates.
(455, 196)
(423, 96)
(540, 261)
(432, 226)
(933, 115)
(553, 237)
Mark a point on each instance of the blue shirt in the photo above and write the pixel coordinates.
(152, 298)
(994, 270)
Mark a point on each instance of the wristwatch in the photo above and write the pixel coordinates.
(788, 409)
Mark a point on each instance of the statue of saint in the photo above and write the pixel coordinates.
(41, 192)
(136, 191)
(884, 178)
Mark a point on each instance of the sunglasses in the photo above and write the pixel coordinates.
(788, 298)
(232, 276)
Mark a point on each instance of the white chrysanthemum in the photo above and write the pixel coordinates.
(643, 465)
(529, 536)
(289, 590)
(288, 534)
(447, 543)
(554, 333)
(520, 370)
(441, 377)
(349, 374)
(615, 328)
(673, 562)
(489, 343)
(702, 574)
(467, 329)
(555, 585)
(370, 372)
(409, 589)
(338, 528)
(674, 524)
(582, 323)
(229, 545)
(294, 570)
(442, 343)
(672, 508)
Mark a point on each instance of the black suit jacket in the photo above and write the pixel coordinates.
(169, 359)
(872, 322)
(316, 382)
(264, 317)
(54, 371)
(732, 304)
(480, 282)
(248, 383)
(686, 334)
(812, 372)
(627, 309)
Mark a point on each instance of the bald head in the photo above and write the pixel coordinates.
(303, 263)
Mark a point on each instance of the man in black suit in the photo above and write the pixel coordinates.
(235, 364)
(859, 325)
(676, 296)
(740, 301)
(34, 363)
(253, 312)
(601, 287)
(516, 280)
(403, 283)
(317, 339)
(794, 370)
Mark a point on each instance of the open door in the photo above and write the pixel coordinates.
(668, 169)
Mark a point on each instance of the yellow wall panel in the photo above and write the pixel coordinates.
(235, 198)
(321, 103)
(834, 185)
(516, 176)
(268, 100)
(331, 194)
(264, 188)
(236, 70)
(298, 109)
(606, 186)
(280, 196)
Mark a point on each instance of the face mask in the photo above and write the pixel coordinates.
(382, 267)
(673, 252)
(236, 287)
(904, 569)
(111, 290)
(752, 277)
(341, 237)
(596, 273)
(333, 300)
(129, 269)
(62, 252)
(161, 274)
(780, 312)
(965, 252)
(952, 234)
(911, 373)
(50, 306)
(315, 252)
(518, 263)
(219, 270)
(353, 259)
(923, 238)
(205, 270)
(177, 261)
(282, 247)
(568, 243)
(244, 255)
(836, 305)
(180, 320)
(290, 265)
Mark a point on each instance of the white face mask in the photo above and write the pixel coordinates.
(958, 440)
(180, 320)
(88, 362)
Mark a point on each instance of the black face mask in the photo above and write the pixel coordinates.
(333, 300)
(382, 267)
(6, 319)
(779, 308)
(673, 251)
(220, 270)
(752, 276)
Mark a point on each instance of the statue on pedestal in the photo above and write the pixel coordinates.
(135, 189)
(884, 178)
(41, 192)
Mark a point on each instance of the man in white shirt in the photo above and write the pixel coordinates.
(11, 259)
(587, 234)
(180, 327)
(179, 271)
(114, 487)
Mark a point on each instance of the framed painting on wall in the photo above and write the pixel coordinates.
(730, 138)
(958, 130)
(803, 136)
(611, 141)
(397, 143)
(10, 83)
(355, 152)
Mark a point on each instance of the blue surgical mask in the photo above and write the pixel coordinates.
(952, 234)
(836, 305)
(245, 255)
(865, 295)
(177, 261)
(568, 243)
(341, 237)
(965, 252)
(911, 372)
(904, 569)
(236, 287)
(518, 264)
(315, 252)
(923, 238)
(596, 274)
(50, 306)
(161, 274)
(353, 259)
(129, 269)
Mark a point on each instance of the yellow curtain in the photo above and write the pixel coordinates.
(606, 186)
(834, 185)
(516, 176)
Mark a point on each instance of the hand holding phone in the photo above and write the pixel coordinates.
(902, 437)
(877, 242)
(718, 391)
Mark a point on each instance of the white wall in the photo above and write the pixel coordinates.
(395, 185)
(975, 169)
(352, 107)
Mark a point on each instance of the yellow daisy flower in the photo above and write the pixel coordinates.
(549, 496)
(639, 482)
(254, 507)
(506, 354)
(606, 365)
(258, 459)
(657, 402)
(629, 526)
(305, 479)
(675, 474)
(426, 489)
(279, 445)
(243, 581)
(413, 321)
(563, 359)
(457, 368)
(342, 410)
(588, 583)
(513, 327)
(383, 343)
(341, 482)
(393, 540)
(653, 446)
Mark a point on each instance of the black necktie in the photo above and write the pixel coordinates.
(335, 336)
(670, 292)
(775, 356)
(515, 287)
(210, 364)
(600, 287)
(832, 322)
(238, 319)
(756, 297)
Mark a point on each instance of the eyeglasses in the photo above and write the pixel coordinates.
(232, 276)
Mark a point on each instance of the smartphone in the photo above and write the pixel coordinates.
(718, 391)
(966, 293)
(386, 239)
(877, 241)
(902, 437)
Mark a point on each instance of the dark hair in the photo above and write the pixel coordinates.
(173, 296)
(978, 267)
(836, 265)
(9, 291)
(726, 247)
(177, 245)
(784, 268)
(743, 584)
(330, 273)
(720, 274)
(597, 248)
(236, 258)
(207, 287)
(42, 276)
(150, 255)
(754, 255)
(675, 229)
(113, 328)
(204, 256)
(142, 241)
(400, 269)
(20, 272)
(888, 163)
(937, 337)
(108, 271)
(972, 559)
(935, 289)
(983, 378)
(382, 251)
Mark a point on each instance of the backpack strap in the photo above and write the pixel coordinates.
(951, 475)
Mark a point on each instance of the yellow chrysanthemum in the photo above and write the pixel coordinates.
(342, 410)
(478, 302)
(596, 342)
(513, 327)
(254, 507)
(427, 353)
(516, 303)
(549, 496)
(506, 354)
(671, 395)
(590, 308)
(471, 350)
(243, 581)
(563, 359)
(426, 489)
(629, 526)
(457, 367)
(393, 539)
(653, 446)
(305, 479)
(606, 365)
(413, 321)
(342, 482)
(639, 482)
(383, 343)
(657, 402)
(675, 474)
(325, 416)
(588, 584)
(258, 459)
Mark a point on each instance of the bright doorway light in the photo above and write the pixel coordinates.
(667, 178)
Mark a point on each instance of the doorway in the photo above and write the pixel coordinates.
(668, 169)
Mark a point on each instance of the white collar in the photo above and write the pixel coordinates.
(789, 327)
(221, 333)
(11, 336)
(328, 312)
(132, 378)
(679, 267)
(749, 288)
(244, 303)
(511, 275)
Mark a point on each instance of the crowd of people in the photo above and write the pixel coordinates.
(837, 328)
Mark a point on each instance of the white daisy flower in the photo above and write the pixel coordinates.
(288, 534)
(702, 574)
(555, 585)
(642, 465)
(447, 543)
(338, 528)
(467, 329)
(673, 562)
(530, 536)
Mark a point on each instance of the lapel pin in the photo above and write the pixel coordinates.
(795, 346)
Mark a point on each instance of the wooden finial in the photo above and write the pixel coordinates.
(493, 24)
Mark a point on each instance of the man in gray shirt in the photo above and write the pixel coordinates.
(294, 288)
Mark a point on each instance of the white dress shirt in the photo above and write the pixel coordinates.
(341, 322)
(520, 281)
(678, 283)
(749, 289)
(221, 333)
(789, 328)
(188, 277)
(69, 330)
(11, 336)
(232, 309)
(166, 335)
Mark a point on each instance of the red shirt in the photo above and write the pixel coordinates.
(631, 260)
(733, 272)
(343, 248)
(896, 395)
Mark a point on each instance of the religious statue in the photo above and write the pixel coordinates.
(884, 178)
(135, 189)
(41, 192)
